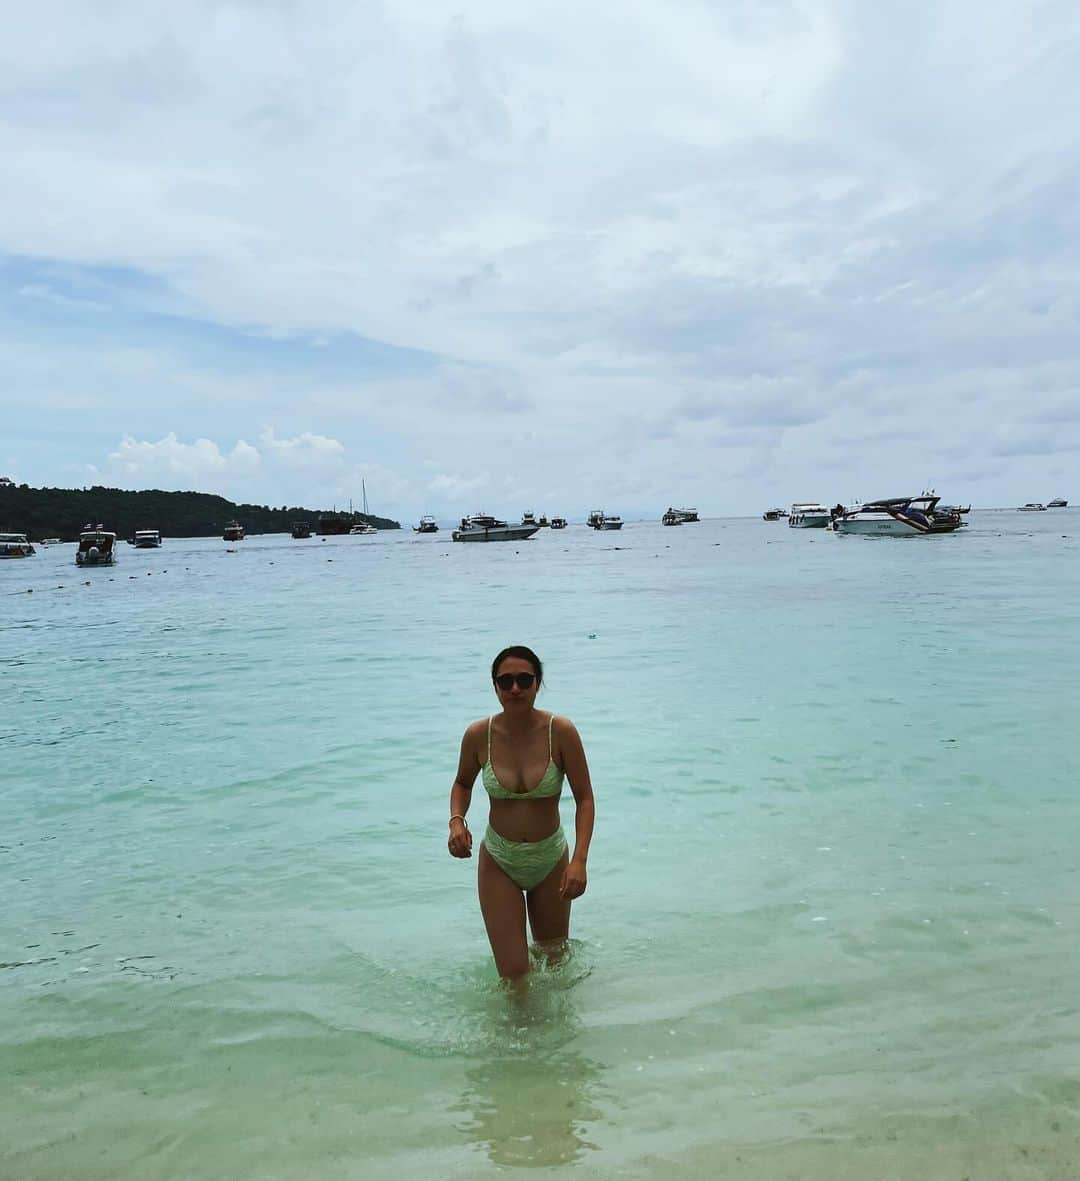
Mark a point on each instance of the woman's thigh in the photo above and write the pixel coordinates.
(503, 908)
(549, 912)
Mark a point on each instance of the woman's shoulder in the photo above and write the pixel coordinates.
(562, 726)
(475, 729)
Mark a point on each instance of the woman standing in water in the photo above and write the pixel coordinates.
(525, 865)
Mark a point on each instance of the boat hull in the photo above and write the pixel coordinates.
(496, 533)
(883, 527)
(808, 521)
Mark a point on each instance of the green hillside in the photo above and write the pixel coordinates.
(62, 512)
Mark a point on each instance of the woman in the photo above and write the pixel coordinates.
(525, 865)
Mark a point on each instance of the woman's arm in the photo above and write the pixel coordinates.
(577, 772)
(460, 840)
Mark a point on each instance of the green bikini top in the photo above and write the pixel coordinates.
(549, 785)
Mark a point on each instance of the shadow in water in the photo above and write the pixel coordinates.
(530, 1096)
(531, 1110)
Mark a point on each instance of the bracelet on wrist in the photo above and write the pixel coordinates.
(458, 816)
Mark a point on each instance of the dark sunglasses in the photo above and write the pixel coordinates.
(508, 680)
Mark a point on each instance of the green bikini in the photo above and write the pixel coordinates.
(526, 863)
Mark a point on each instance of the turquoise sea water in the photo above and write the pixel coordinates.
(833, 922)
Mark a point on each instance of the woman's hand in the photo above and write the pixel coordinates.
(574, 881)
(460, 842)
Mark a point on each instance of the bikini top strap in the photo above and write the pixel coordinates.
(550, 722)
(489, 738)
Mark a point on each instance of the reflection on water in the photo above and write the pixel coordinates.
(530, 1095)
(531, 1109)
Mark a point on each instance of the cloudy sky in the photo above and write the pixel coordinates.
(556, 256)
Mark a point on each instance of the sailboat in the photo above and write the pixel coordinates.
(365, 527)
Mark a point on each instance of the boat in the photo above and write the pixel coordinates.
(598, 519)
(484, 527)
(671, 517)
(233, 531)
(1032, 507)
(363, 528)
(774, 514)
(686, 516)
(544, 523)
(899, 516)
(529, 518)
(806, 514)
(427, 525)
(15, 545)
(146, 539)
(558, 522)
(1058, 502)
(300, 530)
(333, 524)
(97, 547)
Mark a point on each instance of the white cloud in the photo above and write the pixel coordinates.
(698, 251)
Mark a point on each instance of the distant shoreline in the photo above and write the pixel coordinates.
(62, 513)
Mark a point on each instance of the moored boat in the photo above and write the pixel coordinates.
(427, 525)
(1032, 506)
(598, 519)
(558, 522)
(146, 539)
(671, 517)
(15, 545)
(900, 516)
(233, 531)
(484, 527)
(363, 529)
(529, 518)
(687, 516)
(774, 514)
(97, 547)
(806, 514)
(300, 530)
(1058, 502)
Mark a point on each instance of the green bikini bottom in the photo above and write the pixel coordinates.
(526, 863)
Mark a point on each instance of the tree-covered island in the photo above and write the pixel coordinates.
(62, 512)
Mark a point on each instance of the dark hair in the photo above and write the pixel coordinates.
(520, 652)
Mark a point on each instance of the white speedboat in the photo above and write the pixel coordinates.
(529, 518)
(363, 529)
(774, 514)
(901, 516)
(97, 547)
(15, 545)
(808, 514)
(146, 539)
(671, 517)
(427, 525)
(484, 527)
(1032, 507)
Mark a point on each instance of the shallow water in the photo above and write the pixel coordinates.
(832, 921)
